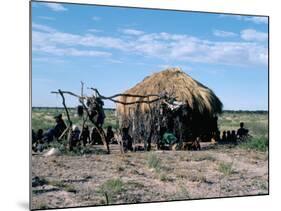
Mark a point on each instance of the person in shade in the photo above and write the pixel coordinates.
(233, 137)
(223, 138)
(109, 134)
(228, 137)
(59, 127)
(85, 135)
(242, 133)
(127, 139)
(74, 137)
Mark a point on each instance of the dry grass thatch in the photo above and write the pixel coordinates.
(172, 80)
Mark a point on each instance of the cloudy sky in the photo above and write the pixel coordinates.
(114, 48)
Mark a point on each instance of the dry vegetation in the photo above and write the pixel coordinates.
(100, 179)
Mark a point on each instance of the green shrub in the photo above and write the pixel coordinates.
(226, 168)
(258, 144)
(43, 206)
(110, 189)
(164, 178)
(154, 162)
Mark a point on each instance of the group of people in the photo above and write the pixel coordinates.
(84, 137)
(41, 139)
(77, 137)
(232, 137)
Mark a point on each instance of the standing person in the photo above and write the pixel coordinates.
(85, 135)
(60, 126)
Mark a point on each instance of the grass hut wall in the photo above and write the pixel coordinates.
(195, 117)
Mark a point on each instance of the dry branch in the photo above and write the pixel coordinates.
(129, 95)
(64, 105)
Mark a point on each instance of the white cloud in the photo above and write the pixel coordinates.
(94, 30)
(168, 47)
(220, 33)
(115, 61)
(55, 7)
(132, 32)
(48, 60)
(257, 20)
(253, 35)
(57, 51)
(96, 18)
(47, 18)
(43, 28)
(253, 19)
(48, 40)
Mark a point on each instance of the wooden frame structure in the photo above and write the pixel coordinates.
(81, 99)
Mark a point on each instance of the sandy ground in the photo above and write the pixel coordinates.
(130, 178)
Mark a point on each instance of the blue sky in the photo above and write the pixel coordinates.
(114, 48)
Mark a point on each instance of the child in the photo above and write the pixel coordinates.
(74, 137)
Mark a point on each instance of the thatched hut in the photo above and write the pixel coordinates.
(189, 110)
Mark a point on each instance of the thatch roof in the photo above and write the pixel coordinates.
(172, 80)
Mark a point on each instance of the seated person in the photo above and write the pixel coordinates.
(95, 136)
(48, 136)
(74, 137)
(85, 135)
(60, 126)
(223, 138)
(233, 137)
(169, 138)
(242, 132)
(33, 136)
(39, 135)
(167, 141)
(218, 136)
(109, 134)
(40, 146)
(56, 132)
(127, 139)
(228, 136)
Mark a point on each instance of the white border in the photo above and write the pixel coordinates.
(15, 103)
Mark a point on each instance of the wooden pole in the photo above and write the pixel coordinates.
(66, 110)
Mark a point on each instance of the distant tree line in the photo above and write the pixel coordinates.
(246, 111)
(113, 109)
(61, 108)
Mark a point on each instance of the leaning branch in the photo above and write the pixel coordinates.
(67, 92)
(66, 110)
(129, 95)
(117, 95)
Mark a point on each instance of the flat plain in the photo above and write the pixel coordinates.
(95, 178)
